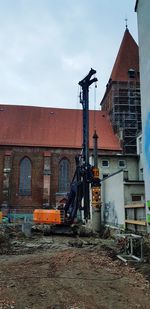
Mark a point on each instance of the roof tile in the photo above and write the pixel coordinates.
(53, 127)
(127, 58)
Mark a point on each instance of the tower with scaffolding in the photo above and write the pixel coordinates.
(122, 97)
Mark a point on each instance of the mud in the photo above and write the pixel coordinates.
(68, 273)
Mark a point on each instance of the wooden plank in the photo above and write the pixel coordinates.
(135, 206)
(137, 222)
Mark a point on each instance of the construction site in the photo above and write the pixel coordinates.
(65, 257)
(74, 194)
(69, 272)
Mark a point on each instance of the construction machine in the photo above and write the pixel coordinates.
(85, 177)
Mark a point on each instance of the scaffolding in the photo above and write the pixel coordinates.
(125, 112)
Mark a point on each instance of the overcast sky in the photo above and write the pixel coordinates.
(48, 46)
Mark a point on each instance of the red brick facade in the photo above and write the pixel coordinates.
(1, 173)
(36, 156)
(33, 142)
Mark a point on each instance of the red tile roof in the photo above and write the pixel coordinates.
(127, 58)
(53, 127)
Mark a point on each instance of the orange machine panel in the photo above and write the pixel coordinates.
(47, 216)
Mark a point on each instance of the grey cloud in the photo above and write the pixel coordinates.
(48, 46)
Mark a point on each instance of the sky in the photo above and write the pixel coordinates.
(48, 46)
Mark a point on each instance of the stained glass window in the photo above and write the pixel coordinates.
(64, 175)
(25, 177)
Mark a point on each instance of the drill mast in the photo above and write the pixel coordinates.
(85, 83)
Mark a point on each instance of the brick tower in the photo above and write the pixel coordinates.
(122, 96)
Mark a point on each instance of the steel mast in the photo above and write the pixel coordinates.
(84, 100)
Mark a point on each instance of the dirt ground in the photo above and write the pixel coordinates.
(62, 272)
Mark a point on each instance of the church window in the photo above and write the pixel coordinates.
(25, 177)
(64, 167)
(131, 73)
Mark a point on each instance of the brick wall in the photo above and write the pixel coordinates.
(36, 199)
(36, 155)
(1, 174)
(57, 155)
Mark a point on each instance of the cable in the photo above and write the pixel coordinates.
(94, 124)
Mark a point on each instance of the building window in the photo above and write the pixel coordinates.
(131, 73)
(122, 163)
(105, 163)
(137, 198)
(64, 167)
(25, 177)
(105, 176)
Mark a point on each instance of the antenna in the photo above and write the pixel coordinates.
(126, 21)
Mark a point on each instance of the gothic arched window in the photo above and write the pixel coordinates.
(25, 177)
(64, 175)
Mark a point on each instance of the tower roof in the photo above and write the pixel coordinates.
(127, 58)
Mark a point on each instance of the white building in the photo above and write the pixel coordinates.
(123, 202)
(143, 14)
(123, 192)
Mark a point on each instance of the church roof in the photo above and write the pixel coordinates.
(53, 127)
(127, 58)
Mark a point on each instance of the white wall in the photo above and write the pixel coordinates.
(133, 189)
(130, 160)
(113, 200)
(143, 14)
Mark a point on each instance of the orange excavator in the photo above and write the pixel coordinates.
(66, 214)
(85, 176)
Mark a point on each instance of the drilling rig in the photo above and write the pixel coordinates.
(85, 177)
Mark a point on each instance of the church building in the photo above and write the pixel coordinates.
(38, 145)
(37, 153)
(122, 96)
